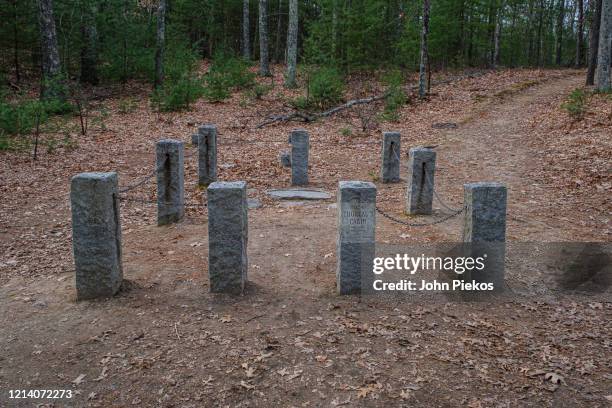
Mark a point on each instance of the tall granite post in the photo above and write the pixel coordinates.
(170, 181)
(96, 234)
(207, 154)
(299, 140)
(390, 169)
(227, 236)
(356, 235)
(484, 229)
(421, 167)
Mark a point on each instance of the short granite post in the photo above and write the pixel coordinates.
(390, 170)
(170, 181)
(421, 167)
(207, 154)
(96, 234)
(299, 140)
(194, 139)
(285, 159)
(356, 235)
(227, 236)
(484, 229)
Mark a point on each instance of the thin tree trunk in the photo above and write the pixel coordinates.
(89, 52)
(424, 51)
(246, 41)
(292, 38)
(604, 57)
(539, 39)
(579, 33)
(497, 35)
(161, 39)
(51, 66)
(560, 19)
(16, 43)
(279, 22)
(264, 60)
(334, 28)
(593, 41)
(124, 46)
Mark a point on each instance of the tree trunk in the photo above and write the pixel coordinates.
(579, 34)
(264, 60)
(539, 38)
(279, 22)
(292, 38)
(424, 51)
(89, 51)
(497, 35)
(593, 41)
(161, 39)
(51, 66)
(334, 28)
(604, 57)
(246, 41)
(559, 45)
(16, 44)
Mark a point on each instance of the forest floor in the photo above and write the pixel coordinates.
(290, 340)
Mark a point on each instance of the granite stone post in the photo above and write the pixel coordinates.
(421, 167)
(299, 140)
(285, 159)
(390, 170)
(170, 181)
(227, 236)
(484, 229)
(356, 235)
(96, 234)
(207, 154)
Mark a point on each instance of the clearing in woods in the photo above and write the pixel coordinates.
(290, 340)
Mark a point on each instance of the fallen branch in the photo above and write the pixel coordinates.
(311, 117)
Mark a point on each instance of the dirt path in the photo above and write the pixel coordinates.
(290, 341)
(493, 145)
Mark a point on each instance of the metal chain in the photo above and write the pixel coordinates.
(154, 202)
(429, 181)
(418, 224)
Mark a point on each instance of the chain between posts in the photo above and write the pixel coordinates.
(418, 224)
(154, 202)
(454, 211)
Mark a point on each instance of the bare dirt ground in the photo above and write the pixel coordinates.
(290, 340)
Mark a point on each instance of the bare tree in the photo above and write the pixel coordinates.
(292, 34)
(51, 66)
(89, 50)
(559, 45)
(593, 41)
(424, 52)
(497, 34)
(264, 59)
(604, 57)
(579, 33)
(246, 42)
(161, 39)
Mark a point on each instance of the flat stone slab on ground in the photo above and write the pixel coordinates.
(253, 203)
(299, 194)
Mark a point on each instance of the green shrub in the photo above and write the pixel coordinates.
(396, 97)
(179, 94)
(575, 104)
(300, 103)
(225, 75)
(325, 88)
(20, 118)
